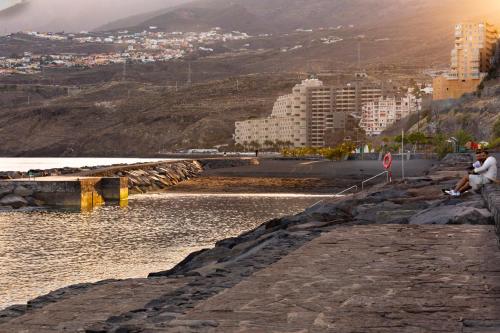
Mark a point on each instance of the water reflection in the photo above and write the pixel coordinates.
(41, 251)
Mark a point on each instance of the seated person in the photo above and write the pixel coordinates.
(484, 171)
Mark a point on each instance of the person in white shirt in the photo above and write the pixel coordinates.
(484, 171)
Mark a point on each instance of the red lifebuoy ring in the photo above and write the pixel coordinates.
(387, 161)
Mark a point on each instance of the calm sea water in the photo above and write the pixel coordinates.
(43, 251)
(24, 164)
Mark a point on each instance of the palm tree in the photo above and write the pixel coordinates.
(254, 145)
(268, 144)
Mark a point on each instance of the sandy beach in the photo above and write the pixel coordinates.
(295, 176)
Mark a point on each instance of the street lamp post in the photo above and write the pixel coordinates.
(402, 154)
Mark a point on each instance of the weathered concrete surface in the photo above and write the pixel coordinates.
(79, 192)
(367, 279)
(76, 310)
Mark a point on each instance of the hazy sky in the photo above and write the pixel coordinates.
(75, 15)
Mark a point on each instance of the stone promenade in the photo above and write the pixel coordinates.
(367, 279)
(364, 278)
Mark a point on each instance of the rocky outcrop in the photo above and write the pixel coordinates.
(452, 215)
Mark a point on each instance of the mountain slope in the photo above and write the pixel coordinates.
(284, 15)
(126, 118)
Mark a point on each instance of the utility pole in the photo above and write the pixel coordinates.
(190, 74)
(237, 85)
(418, 121)
(402, 154)
(124, 73)
(359, 55)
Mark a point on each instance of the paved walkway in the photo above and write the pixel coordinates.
(100, 302)
(377, 278)
(371, 278)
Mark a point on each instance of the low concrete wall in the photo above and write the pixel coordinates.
(491, 195)
(84, 193)
(114, 189)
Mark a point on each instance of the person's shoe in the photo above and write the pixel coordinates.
(449, 192)
(452, 193)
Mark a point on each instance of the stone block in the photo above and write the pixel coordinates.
(14, 201)
(452, 215)
(23, 191)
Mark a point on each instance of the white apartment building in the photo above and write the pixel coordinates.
(301, 118)
(351, 98)
(379, 114)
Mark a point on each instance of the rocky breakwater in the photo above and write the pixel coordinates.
(142, 178)
(18, 196)
(159, 176)
(411, 206)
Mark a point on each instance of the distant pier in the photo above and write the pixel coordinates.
(104, 185)
(77, 192)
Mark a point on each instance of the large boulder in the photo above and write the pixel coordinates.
(387, 194)
(394, 216)
(23, 191)
(6, 189)
(387, 212)
(452, 215)
(14, 201)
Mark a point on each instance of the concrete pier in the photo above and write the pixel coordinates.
(78, 192)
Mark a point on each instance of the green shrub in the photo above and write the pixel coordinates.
(463, 137)
(495, 143)
(496, 129)
(441, 145)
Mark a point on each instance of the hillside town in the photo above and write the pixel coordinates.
(140, 47)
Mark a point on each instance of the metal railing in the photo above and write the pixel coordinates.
(356, 187)
(347, 190)
(375, 177)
